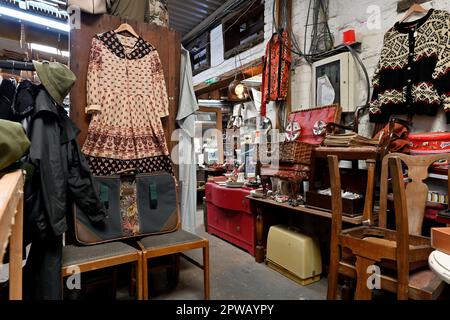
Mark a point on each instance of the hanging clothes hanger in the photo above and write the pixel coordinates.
(415, 8)
(125, 27)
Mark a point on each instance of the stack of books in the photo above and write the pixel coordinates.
(349, 140)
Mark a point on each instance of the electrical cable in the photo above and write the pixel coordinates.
(363, 67)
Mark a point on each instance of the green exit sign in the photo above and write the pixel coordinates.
(212, 80)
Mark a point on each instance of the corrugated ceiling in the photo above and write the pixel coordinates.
(187, 14)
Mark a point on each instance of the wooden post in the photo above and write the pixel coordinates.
(15, 260)
(336, 226)
(259, 252)
(206, 283)
(368, 202)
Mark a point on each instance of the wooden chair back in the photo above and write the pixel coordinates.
(336, 225)
(402, 229)
(416, 191)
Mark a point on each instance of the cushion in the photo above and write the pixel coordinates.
(169, 239)
(73, 255)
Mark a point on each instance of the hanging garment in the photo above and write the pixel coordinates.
(24, 99)
(158, 12)
(413, 74)
(62, 171)
(7, 91)
(61, 178)
(42, 272)
(187, 164)
(127, 97)
(130, 10)
(277, 62)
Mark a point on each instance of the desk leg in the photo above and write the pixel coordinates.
(259, 252)
(368, 203)
(15, 265)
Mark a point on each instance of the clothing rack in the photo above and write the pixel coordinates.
(17, 65)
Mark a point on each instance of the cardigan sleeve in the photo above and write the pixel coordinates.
(374, 106)
(375, 112)
(441, 73)
(93, 88)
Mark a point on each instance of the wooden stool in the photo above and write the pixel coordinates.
(174, 243)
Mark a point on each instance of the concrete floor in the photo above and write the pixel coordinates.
(235, 276)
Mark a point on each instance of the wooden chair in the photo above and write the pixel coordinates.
(174, 243)
(80, 259)
(399, 253)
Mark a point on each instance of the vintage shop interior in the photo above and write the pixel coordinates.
(224, 149)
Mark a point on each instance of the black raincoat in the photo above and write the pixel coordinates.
(62, 177)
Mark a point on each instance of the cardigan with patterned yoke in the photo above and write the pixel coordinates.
(413, 74)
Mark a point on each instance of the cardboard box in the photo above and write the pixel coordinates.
(440, 239)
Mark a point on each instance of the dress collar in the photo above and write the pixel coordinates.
(112, 42)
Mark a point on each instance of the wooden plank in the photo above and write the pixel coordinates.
(9, 200)
(15, 255)
(303, 209)
(11, 224)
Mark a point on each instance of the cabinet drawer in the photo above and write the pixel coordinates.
(237, 224)
(241, 226)
(227, 198)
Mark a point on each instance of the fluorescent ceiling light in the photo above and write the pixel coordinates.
(20, 15)
(47, 49)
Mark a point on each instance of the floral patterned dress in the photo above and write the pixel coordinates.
(127, 97)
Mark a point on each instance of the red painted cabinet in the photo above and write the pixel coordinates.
(229, 216)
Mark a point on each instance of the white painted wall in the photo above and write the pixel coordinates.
(344, 14)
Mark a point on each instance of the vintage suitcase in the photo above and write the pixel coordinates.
(137, 205)
(293, 254)
(430, 142)
(309, 125)
(293, 172)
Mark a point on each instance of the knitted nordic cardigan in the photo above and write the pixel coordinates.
(413, 74)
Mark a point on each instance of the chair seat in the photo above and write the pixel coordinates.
(169, 239)
(386, 242)
(73, 255)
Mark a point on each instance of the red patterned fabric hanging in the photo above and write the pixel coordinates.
(277, 62)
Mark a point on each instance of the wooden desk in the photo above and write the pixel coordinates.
(256, 205)
(11, 225)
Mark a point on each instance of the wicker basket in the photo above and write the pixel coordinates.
(296, 152)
